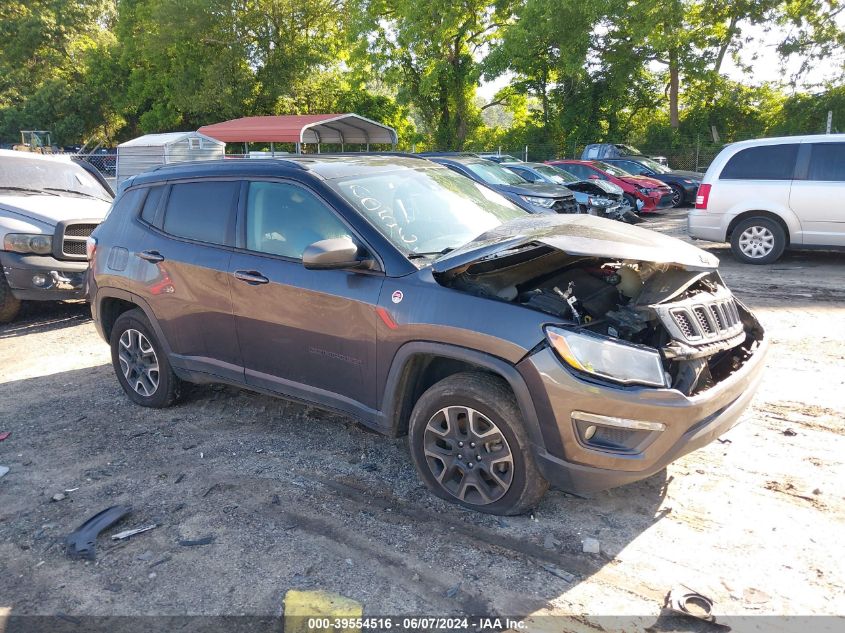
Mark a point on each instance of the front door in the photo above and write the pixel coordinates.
(305, 333)
(818, 198)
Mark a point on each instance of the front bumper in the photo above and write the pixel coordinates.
(63, 279)
(689, 422)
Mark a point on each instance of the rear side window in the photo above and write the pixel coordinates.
(127, 203)
(578, 170)
(827, 162)
(148, 213)
(766, 162)
(202, 211)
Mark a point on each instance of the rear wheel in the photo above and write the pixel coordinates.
(469, 446)
(10, 305)
(140, 363)
(758, 240)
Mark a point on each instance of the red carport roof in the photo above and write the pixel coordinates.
(301, 128)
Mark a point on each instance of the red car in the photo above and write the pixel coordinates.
(645, 194)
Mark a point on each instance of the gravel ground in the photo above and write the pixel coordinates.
(298, 498)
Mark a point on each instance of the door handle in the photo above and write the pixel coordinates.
(151, 256)
(251, 277)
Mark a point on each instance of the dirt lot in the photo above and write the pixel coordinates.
(298, 498)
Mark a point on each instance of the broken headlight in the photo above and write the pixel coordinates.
(608, 358)
(28, 243)
(546, 203)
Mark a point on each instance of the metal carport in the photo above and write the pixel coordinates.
(340, 129)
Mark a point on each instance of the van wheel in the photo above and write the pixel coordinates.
(10, 305)
(758, 241)
(469, 446)
(140, 363)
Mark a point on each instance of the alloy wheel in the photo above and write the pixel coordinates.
(677, 196)
(468, 455)
(756, 242)
(139, 362)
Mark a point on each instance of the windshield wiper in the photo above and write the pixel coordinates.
(34, 192)
(420, 254)
(77, 192)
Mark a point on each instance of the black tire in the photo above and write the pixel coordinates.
(678, 196)
(758, 240)
(131, 328)
(517, 485)
(10, 305)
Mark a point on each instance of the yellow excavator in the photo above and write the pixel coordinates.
(37, 141)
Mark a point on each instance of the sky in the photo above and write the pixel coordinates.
(767, 67)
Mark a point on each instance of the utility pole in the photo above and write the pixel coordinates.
(829, 121)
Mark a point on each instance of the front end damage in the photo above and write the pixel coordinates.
(690, 318)
(674, 304)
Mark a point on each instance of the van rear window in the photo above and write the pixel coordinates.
(766, 162)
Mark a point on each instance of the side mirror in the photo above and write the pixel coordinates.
(335, 253)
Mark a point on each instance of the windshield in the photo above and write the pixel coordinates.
(653, 165)
(426, 211)
(494, 174)
(52, 177)
(612, 170)
(555, 174)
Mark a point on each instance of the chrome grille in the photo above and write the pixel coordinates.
(70, 237)
(79, 230)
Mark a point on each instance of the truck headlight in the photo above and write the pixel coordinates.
(546, 203)
(608, 358)
(28, 243)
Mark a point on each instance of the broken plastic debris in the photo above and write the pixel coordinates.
(683, 600)
(81, 543)
(127, 533)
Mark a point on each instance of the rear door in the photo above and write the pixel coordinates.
(306, 333)
(183, 264)
(818, 193)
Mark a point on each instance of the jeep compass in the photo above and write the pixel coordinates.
(515, 351)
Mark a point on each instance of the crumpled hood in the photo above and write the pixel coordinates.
(53, 209)
(583, 235)
(538, 189)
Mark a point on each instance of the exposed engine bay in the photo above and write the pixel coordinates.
(702, 332)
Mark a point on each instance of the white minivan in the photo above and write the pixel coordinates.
(766, 195)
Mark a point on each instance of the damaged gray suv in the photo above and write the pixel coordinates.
(515, 351)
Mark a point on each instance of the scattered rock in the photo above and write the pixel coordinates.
(590, 546)
(152, 575)
(549, 542)
(789, 432)
(557, 571)
(148, 555)
(58, 496)
(370, 468)
(188, 446)
(451, 592)
(817, 491)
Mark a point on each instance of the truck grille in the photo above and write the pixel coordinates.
(70, 237)
(704, 322)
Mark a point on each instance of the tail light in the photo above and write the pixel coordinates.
(703, 196)
(90, 247)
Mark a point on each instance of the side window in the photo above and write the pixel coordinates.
(283, 219)
(524, 173)
(632, 168)
(827, 162)
(202, 211)
(578, 170)
(148, 213)
(128, 202)
(766, 162)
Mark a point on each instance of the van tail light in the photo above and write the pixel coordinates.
(90, 248)
(703, 196)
